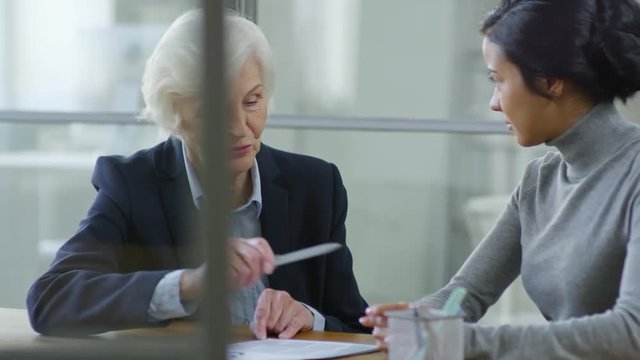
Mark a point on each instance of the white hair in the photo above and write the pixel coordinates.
(175, 67)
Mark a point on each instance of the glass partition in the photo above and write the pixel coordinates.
(45, 173)
(399, 59)
(377, 58)
(418, 202)
(76, 55)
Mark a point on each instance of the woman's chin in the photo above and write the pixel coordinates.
(240, 165)
(525, 142)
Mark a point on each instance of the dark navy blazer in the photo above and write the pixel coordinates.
(136, 232)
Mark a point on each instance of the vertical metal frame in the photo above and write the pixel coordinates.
(216, 183)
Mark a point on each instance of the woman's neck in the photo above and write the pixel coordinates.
(241, 185)
(241, 188)
(572, 106)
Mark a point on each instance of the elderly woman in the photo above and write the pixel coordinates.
(128, 264)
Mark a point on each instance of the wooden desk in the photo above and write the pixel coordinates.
(176, 341)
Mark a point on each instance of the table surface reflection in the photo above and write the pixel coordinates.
(178, 340)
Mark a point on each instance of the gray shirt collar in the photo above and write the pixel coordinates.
(594, 139)
(197, 193)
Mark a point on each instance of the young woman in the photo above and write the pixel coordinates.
(572, 226)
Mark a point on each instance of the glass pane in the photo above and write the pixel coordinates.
(379, 58)
(78, 55)
(376, 58)
(407, 58)
(418, 202)
(45, 173)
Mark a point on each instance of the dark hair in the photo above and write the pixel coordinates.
(595, 44)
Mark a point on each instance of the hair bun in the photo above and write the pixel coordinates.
(595, 44)
(615, 46)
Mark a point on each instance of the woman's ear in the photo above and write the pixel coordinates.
(554, 87)
(186, 108)
(551, 88)
(178, 104)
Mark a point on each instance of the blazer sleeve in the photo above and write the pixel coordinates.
(343, 303)
(85, 290)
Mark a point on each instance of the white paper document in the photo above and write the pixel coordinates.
(271, 349)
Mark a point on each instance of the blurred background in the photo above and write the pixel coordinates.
(393, 92)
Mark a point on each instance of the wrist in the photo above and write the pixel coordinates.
(310, 319)
(188, 288)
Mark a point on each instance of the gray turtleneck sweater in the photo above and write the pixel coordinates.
(572, 230)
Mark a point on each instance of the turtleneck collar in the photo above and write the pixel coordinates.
(593, 139)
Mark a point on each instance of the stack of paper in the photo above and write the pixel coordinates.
(294, 349)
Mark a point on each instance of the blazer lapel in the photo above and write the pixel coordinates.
(274, 218)
(276, 221)
(175, 196)
(182, 214)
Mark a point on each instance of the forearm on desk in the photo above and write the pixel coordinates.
(109, 301)
(602, 336)
(166, 303)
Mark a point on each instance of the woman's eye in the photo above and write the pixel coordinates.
(252, 101)
(492, 79)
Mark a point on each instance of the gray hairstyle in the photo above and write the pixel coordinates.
(175, 66)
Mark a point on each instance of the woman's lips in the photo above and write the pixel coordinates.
(239, 151)
(509, 127)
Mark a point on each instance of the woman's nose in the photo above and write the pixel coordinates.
(237, 124)
(494, 103)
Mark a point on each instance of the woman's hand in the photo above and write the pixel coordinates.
(376, 318)
(277, 312)
(248, 260)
